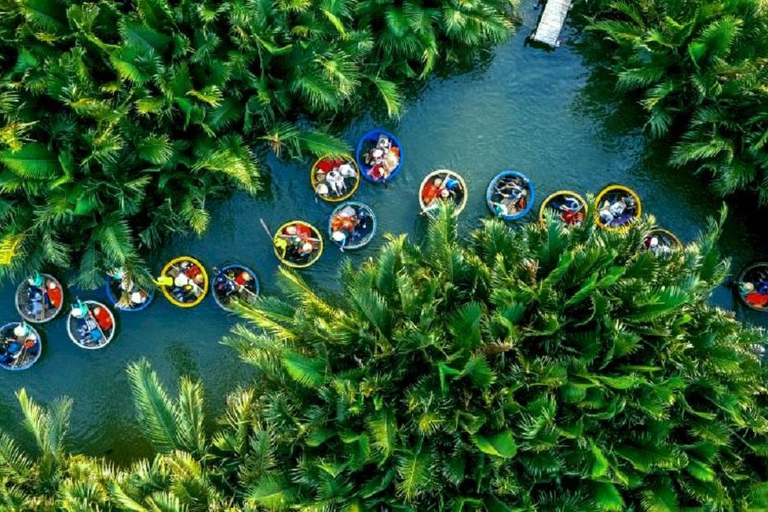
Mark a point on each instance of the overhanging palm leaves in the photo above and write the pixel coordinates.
(700, 67)
(132, 115)
(535, 368)
(539, 368)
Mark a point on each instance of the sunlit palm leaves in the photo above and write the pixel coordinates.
(135, 114)
(700, 67)
(542, 368)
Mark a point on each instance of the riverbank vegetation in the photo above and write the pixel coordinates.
(699, 71)
(536, 368)
(119, 121)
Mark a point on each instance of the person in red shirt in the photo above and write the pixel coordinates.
(243, 278)
(103, 318)
(431, 191)
(303, 231)
(568, 216)
(191, 271)
(757, 299)
(54, 293)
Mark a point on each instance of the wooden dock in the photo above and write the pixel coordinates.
(551, 22)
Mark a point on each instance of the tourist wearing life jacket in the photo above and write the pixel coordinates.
(54, 293)
(243, 278)
(103, 318)
(431, 191)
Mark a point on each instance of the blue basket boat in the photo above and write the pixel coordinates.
(233, 282)
(384, 167)
(19, 352)
(510, 195)
(352, 225)
(115, 296)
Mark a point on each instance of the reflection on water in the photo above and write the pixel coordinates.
(528, 109)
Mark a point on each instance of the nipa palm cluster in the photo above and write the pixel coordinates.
(120, 120)
(533, 369)
(539, 368)
(699, 71)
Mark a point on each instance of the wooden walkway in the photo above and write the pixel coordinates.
(551, 22)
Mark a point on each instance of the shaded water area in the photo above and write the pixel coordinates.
(537, 111)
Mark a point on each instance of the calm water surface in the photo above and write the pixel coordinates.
(528, 109)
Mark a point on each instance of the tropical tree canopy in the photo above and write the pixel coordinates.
(539, 368)
(700, 68)
(119, 120)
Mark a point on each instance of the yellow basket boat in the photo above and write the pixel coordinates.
(298, 244)
(184, 282)
(617, 207)
(566, 205)
(335, 179)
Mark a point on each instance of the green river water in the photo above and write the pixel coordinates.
(540, 112)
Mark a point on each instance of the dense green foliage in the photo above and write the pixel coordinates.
(119, 120)
(700, 68)
(539, 368)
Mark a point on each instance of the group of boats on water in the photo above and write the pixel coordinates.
(184, 281)
(92, 325)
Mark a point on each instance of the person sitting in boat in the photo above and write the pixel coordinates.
(347, 171)
(87, 327)
(11, 348)
(306, 250)
(103, 318)
(344, 224)
(391, 160)
(53, 293)
(138, 298)
(36, 281)
(431, 191)
(657, 245)
(35, 307)
(451, 188)
(243, 279)
(336, 182)
(514, 197)
(612, 212)
(383, 159)
(571, 211)
(16, 348)
(298, 230)
(37, 303)
(184, 289)
(195, 276)
(510, 188)
(384, 142)
(131, 295)
(225, 286)
(378, 172)
(756, 296)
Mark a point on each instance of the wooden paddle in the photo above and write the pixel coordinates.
(311, 239)
(264, 225)
(18, 359)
